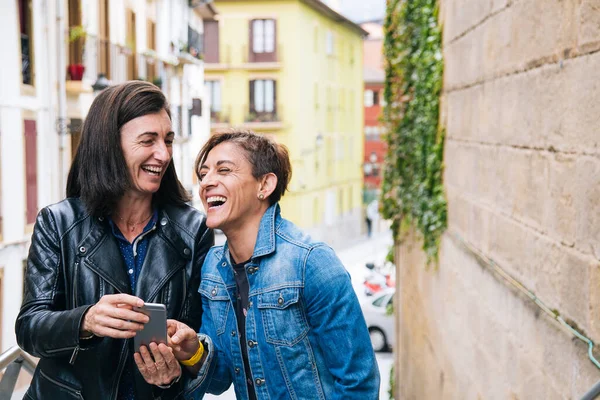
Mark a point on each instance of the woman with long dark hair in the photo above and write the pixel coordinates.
(123, 236)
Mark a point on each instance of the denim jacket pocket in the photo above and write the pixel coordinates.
(218, 302)
(282, 316)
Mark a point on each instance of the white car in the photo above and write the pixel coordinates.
(379, 322)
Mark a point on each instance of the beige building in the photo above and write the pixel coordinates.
(522, 179)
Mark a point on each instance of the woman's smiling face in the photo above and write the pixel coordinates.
(147, 144)
(227, 187)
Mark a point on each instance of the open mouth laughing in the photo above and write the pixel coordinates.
(214, 202)
(152, 169)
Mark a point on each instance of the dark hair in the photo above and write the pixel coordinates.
(99, 174)
(264, 155)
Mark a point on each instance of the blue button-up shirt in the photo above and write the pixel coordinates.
(134, 255)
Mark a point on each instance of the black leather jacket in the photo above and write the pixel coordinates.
(74, 260)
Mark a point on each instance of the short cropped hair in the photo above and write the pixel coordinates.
(99, 175)
(264, 155)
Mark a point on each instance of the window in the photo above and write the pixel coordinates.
(263, 97)
(103, 39)
(329, 43)
(211, 41)
(213, 88)
(195, 43)
(131, 44)
(31, 171)
(262, 40)
(381, 301)
(368, 98)
(25, 22)
(151, 72)
(375, 97)
(76, 46)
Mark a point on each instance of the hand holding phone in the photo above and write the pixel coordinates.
(156, 329)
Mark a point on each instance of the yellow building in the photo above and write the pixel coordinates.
(292, 69)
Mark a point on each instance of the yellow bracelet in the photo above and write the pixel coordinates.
(196, 357)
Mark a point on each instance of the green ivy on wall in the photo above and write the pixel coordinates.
(412, 189)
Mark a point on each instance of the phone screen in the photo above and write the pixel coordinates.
(156, 329)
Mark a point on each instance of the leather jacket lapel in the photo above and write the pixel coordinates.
(104, 257)
(167, 254)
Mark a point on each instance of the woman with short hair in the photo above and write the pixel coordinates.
(281, 319)
(123, 236)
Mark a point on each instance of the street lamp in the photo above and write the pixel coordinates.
(101, 83)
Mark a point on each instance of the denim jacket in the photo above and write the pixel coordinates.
(306, 334)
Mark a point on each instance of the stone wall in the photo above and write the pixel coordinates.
(521, 109)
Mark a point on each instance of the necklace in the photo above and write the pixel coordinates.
(131, 226)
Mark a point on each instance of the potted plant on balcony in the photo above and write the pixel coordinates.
(77, 35)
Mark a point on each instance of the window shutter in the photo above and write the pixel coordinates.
(251, 41)
(275, 97)
(211, 41)
(31, 171)
(252, 108)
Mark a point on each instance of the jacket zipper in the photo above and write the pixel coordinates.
(62, 385)
(76, 350)
(75, 281)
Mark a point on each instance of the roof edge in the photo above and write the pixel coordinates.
(331, 13)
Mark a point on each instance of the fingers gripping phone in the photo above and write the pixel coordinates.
(156, 329)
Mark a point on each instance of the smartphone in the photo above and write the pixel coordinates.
(156, 329)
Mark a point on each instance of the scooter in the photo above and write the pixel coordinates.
(375, 281)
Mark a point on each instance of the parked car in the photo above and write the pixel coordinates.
(379, 322)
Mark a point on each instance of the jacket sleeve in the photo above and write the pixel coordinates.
(44, 328)
(193, 310)
(215, 375)
(336, 318)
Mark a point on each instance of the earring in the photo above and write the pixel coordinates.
(261, 196)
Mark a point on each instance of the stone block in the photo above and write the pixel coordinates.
(574, 127)
(520, 37)
(560, 198)
(593, 286)
(588, 206)
(575, 288)
(462, 15)
(588, 36)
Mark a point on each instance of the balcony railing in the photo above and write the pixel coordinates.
(219, 117)
(13, 360)
(262, 59)
(262, 117)
(262, 121)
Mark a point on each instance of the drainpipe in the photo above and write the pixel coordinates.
(592, 393)
(61, 118)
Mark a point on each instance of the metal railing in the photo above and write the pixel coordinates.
(13, 360)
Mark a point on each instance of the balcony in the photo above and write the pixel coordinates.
(220, 119)
(246, 61)
(264, 121)
(262, 61)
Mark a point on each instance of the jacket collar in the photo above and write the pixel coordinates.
(167, 253)
(265, 240)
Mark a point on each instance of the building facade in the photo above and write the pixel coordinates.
(53, 55)
(374, 77)
(304, 91)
